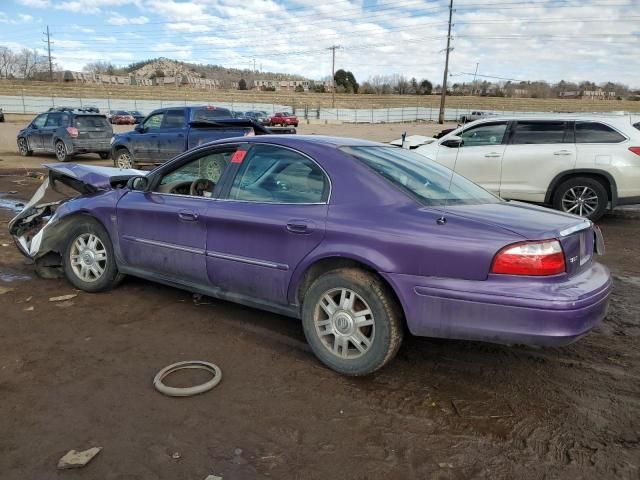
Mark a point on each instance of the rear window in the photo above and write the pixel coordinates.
(539, 132)
(91, 121)
(428, 182)
(209, 114)
(594, 132)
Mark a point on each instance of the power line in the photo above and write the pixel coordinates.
(48, 41)
(333, 49)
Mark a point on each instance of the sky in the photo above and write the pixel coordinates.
(550, 40)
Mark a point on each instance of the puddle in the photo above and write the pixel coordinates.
(13, 205)
(13, 277)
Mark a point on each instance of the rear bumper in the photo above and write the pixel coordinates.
(503, 309)
(89, 145)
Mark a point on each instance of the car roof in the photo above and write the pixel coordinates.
(617, 118)
(293, 140)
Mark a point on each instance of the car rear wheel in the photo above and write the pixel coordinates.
(351, 321)
(23, 147)
(583, 196)
(123, 159)
(89, 263)
(61, 151)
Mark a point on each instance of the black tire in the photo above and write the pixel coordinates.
(104, 155)
(23, 147)
(120, 159)
(590, 188)
(384, 336)
(60, 149)
(85, 226)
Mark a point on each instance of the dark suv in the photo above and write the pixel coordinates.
(66, 132)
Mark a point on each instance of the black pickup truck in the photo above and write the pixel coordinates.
(166, 132)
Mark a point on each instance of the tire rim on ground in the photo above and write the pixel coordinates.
(88, 257)
(344, 323)
(124, 160)
(22, 146)
(188, 391)
(580, 200)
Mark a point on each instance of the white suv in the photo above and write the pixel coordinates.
(576, 163)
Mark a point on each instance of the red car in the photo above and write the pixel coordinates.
(283, 118)
(120, 117)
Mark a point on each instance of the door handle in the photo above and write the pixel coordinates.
(493, 155)
(562, 152)
(299, 226)
(188, 216)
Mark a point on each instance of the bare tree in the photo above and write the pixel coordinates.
(30, 63)
(100, 67)
(8, 62)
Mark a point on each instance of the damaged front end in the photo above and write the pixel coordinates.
(38, 229)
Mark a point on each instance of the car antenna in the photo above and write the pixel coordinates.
(443, 218)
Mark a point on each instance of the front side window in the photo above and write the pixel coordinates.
(594, 132)
(278, 175)
(197, 177)
(538, 133)
(39, 121)
(154, 121)
(173, 119)
(487, 134)
(429, 183)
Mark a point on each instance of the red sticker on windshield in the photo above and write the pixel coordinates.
(238, 157)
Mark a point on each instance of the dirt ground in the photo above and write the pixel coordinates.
(78, 374)
(9, 157)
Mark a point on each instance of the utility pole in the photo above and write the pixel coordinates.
(254, 65)
(333, 74)
(49, 51)
(474, 79)
(446, 67)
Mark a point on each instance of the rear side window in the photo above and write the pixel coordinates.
(91, 121)
(278, 175)
(173, 119)
(539, 132)
(594, 132)
(209, 114)
(57, 120)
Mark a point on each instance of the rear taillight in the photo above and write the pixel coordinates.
(635, 150)
(72, 131)
(530, 258)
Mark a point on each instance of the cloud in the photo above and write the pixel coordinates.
(87, 6)
(117, 19)
(35, 3)
(24, 17)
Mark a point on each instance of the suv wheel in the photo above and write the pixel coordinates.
(23, 147)
(351, 321)
(123, 159)
(89, 263)
(61, 151)
(583, 196)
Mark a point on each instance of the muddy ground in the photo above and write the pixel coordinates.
(78, 374)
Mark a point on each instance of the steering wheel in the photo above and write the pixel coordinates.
(199, 186)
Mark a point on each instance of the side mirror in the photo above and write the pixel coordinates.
(139, 128)
(453, 142)
(139, 184)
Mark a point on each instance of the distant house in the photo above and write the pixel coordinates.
(281, 85)
(598, 94)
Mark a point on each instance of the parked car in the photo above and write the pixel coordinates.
(66, 132)
(284, 119)
(121, 117)
(355, 238)
(137, 116)
(576, 163)
(167, 132)
(258, 116)
(474, 115)
(1, 115)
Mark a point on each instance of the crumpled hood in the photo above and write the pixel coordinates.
(89, 178)
(530, 221)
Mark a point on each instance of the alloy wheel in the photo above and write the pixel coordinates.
(88, 257)
(344, 323)
(61, 151)
(124, 160)
(22, 146)
(580, 200)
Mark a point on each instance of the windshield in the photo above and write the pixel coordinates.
(428, 182)
(91, 121)
(209, 114)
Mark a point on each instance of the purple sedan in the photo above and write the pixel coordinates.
(357, 239)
